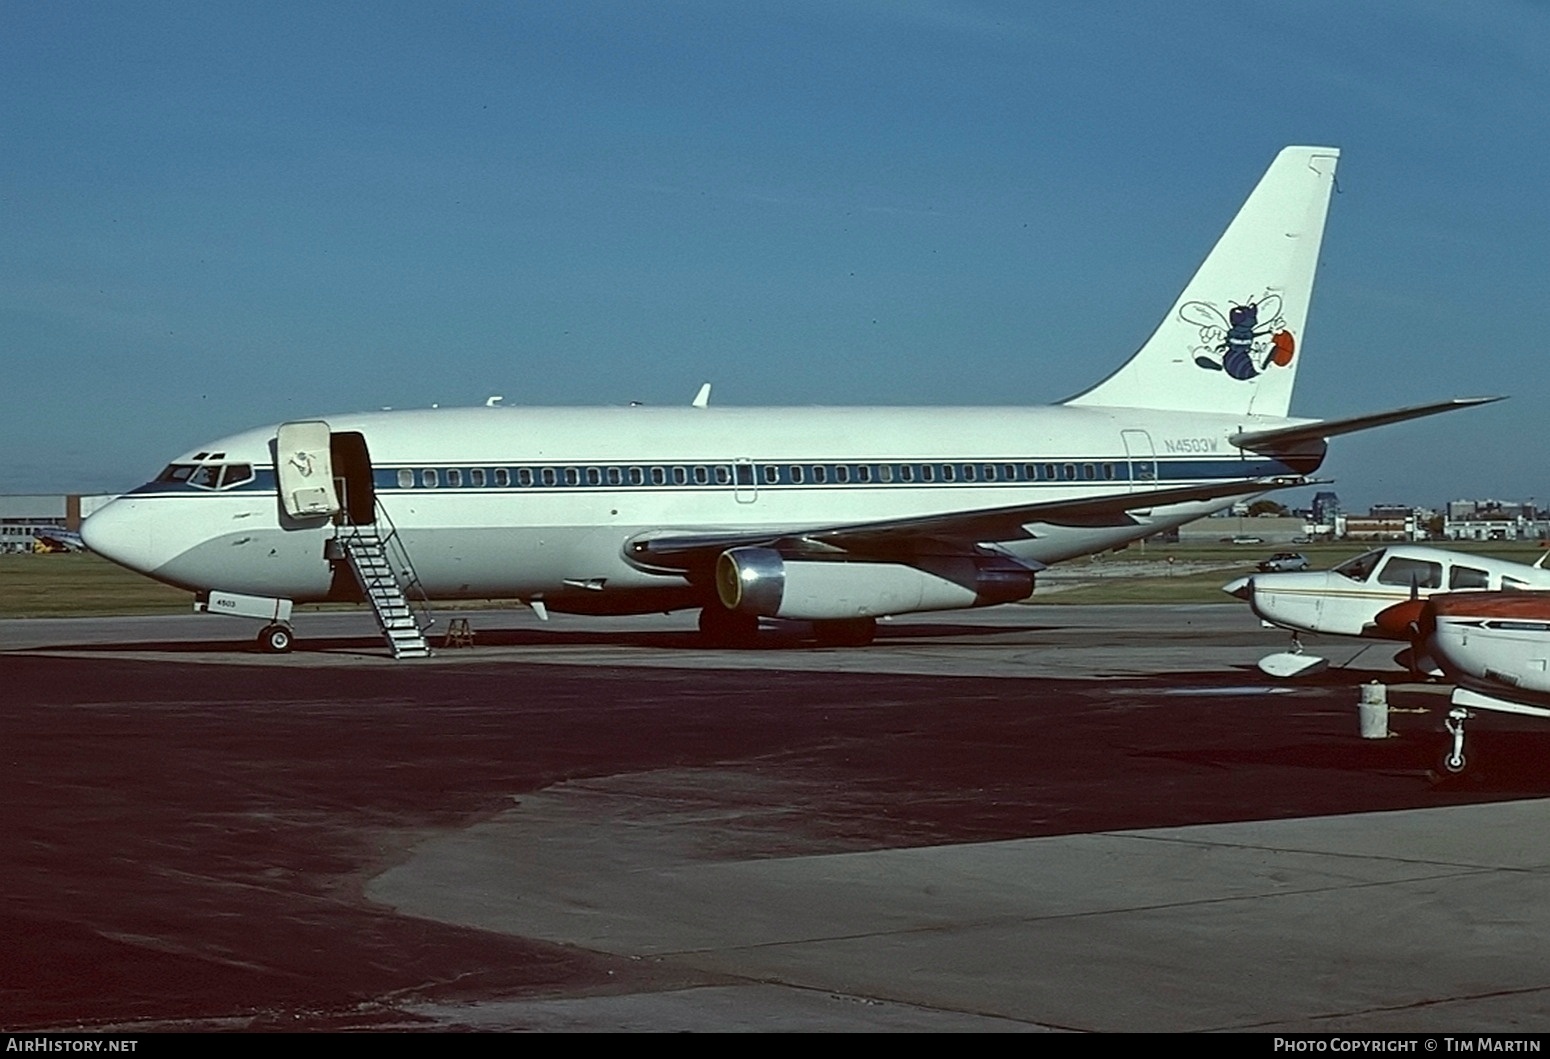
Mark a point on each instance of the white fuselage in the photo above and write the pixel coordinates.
(540, 504)
(1347, 600)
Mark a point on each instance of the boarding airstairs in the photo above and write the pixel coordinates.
(387, 578)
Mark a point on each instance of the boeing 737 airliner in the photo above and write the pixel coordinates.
(831, 515)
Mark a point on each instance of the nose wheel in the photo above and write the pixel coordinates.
(276, 639)
(1453, 760)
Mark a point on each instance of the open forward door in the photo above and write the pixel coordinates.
(305, 471)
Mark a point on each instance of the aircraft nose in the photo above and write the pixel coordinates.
(116, 531)
(1243, 588)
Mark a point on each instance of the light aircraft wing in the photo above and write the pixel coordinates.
(955, 531)
(1282, 437)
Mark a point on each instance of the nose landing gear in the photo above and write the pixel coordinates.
(276, 639)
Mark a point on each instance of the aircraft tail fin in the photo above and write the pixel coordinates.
(1233, 340)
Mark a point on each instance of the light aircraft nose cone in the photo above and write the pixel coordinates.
(1243, 588)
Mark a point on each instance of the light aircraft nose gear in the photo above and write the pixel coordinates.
(1453, 760)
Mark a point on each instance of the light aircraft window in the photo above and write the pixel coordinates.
(794, 472)
(864, 473)
(658, 476)
(1089, 471)
(841, 473)
(724, 476)
(771, 474)
(594, 476)
(547, 475)
(405, 478)
(1418, 572)
(572, 476)
(637, 476)
(1468, 577)
(1108, 471)
(1361, 568)
(1049, 472)
(1068, 472)
(702, 476)
(820, 473)
(476, 477)
(502, 477)
(988, 472)
(1009, 472)
(680, 476)
(428, 479)
(454, 478)
(968, 472)
(885, 472)
(615, 476)
(524, 476)
(928, 472)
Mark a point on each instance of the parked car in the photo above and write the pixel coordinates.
(1284, 562)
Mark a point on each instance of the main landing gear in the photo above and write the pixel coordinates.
(845, 632)
(720, 627)
(729, 628)
(276, 639)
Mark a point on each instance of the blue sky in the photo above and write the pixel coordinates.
(219, 215)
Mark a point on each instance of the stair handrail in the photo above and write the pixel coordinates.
(402, 566)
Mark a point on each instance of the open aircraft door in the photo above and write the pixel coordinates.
(1143, 459)
(304, 469)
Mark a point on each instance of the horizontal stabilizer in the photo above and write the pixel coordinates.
(1286, 437)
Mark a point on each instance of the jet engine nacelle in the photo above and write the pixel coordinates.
(762, 582)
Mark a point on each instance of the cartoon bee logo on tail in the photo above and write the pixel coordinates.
(1244, 343)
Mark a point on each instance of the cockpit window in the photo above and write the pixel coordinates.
(208, 475)
(1361, 568)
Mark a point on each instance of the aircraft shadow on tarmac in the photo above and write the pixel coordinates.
(782, 637)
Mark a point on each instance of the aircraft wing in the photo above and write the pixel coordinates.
(954, 531)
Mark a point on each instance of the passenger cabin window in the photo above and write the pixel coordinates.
(1468, 577)
(428, 479)
(1418, 572)
(405, 478)
(476, 477)
(502, 477)
(454, 478)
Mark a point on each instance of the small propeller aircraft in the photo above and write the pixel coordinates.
(1377, 595)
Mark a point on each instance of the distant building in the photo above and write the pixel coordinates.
(1494, 520)
(1326, 506)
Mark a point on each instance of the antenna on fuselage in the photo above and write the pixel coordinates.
(494, 400)
(702, 399)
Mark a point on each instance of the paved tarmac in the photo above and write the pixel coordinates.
(1028, 818)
